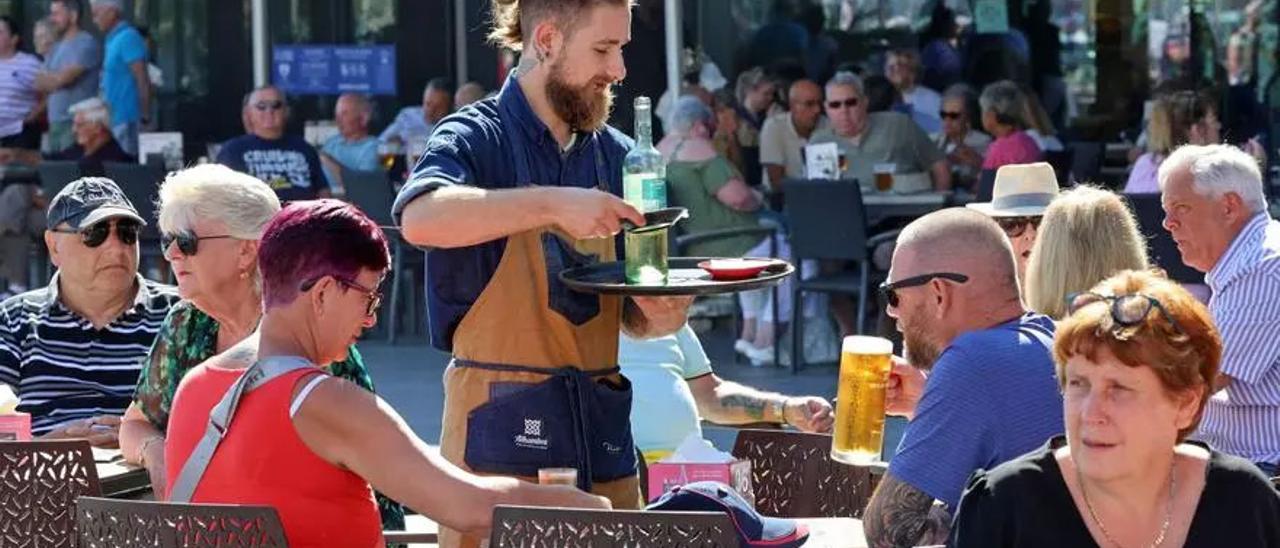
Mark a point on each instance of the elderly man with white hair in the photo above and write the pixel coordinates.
(125, 83)
(1217, 213)
(95, 144)
(353, 147)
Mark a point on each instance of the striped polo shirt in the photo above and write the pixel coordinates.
(64, 369)
(18, 93)
(1244, 418)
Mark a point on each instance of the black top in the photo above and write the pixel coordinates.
(91, 164)
(1025, 502)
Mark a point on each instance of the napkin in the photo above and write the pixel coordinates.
(8, 400)
(694, 449)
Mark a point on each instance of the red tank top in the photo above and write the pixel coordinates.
(262, 461)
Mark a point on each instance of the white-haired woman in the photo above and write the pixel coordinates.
(706, 183)
(211, 219)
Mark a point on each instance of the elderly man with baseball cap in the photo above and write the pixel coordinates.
(1018, 199)
(72, 350)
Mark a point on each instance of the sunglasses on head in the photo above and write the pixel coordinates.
(847, 103)
(946, 115)
(889, 290)
(1126, 310)
(265, 106)
(372, 294)
(94, 235)
(1015, 226)
(188, 242)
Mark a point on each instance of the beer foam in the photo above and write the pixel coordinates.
(861, 344)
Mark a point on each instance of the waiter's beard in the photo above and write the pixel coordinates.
(582, 107)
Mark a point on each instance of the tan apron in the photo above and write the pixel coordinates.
(534, 380)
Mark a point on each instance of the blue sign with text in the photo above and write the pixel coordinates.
(315, 69)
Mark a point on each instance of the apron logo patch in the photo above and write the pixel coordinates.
(611, 448)
(532, 437)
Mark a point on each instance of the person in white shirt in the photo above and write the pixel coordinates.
(19, 98)
(902, 67)
(416, 122)
(783, 137)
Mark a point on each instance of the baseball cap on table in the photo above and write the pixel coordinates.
(754, 530)
(87, 200)
(1021, 190)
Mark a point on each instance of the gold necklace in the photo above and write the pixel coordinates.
(1164, 528)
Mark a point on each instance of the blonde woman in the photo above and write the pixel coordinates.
(1178, 118)
(1087, 235)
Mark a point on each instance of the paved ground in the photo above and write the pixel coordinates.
(408, 375)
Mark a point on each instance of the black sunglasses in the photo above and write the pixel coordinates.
(1015, 226)
(94, 235)
(951, 115)
(265, 106)
(188, 242)
(850, 102)
(889, 290)
(372, 294)
(1126, 310)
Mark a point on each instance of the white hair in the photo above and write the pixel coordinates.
(117, 4)
(94, 110)
(1215, 171)
(689, 110)
(845, 78)
(213, 192)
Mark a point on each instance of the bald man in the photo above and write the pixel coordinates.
(783, 136)
(977, 382)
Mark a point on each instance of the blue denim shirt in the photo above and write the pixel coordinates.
(480, 146)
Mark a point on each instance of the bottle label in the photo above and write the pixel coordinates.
(654, 194)
(633, 189)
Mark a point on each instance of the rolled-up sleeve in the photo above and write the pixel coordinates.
(450, 159)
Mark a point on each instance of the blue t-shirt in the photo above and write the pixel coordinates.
(288, 165)
(992, 396)
(360, 155)
(124, 47)
(83, 50)
(663, 411)
(478, 146)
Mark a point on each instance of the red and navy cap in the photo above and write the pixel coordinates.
(754, 530)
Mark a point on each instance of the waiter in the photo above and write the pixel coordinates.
(510, 191)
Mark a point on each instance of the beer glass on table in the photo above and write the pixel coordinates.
(884, 176)
(858, 434)
(558, 476)
(387, 153)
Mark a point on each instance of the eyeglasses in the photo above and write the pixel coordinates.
(265, 106)
(94, 235)
(1126, 310)
(946, 115)
(1015, 226)
(372, 294)
(889, 290)
(188, 242)
(847, 103)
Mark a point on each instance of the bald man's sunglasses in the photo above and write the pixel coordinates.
(889, 290)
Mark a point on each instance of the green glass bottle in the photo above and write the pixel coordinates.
(644, 173)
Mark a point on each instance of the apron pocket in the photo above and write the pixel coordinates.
(613, 454)
(577, 307)
(523, 430)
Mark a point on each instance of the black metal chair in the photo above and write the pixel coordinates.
(986, 185)
(1061, 161)
(141, 184)
(793, 476)
(39, 484)
(525, 526)
(55, 174)
(1161, 249)
(1086, 161)
(116, 523)
(372, 192)
(827, 221)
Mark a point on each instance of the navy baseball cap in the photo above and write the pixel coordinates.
(754, 530)
(87, 200)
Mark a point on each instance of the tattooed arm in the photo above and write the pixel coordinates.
(727, 402)
(901, 515)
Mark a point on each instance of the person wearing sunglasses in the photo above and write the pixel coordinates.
(286, 162)
(869, 138)
(963, 145)
(1136, 360)
(976, 378)
(211, 220)
(317, 442)
(1019, 196)
(1217, 212)
(72, 349)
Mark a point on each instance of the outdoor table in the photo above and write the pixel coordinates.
(118, 478)
(888, 205)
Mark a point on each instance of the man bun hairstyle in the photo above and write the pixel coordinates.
(512, 18)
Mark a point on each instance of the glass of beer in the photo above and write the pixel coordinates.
(387, 152)
(884, 176)
(558, 476)
(858, 434)
(645, 256)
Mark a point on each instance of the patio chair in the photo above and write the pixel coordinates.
(141, 184)
(685, 241)
(39, 484)
(1086, 161)
(55, 174)
(793, 475)
(372, 193)
(1061, 161)
(521, 526)
(115, 523)
(1160, 245)
(827, 221)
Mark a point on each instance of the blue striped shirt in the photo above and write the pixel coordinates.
(1244, 418)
